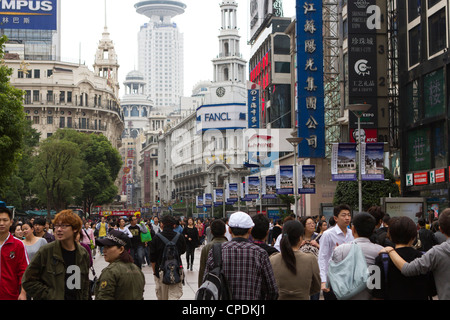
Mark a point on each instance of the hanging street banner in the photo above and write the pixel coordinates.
(343, 162)
(218, 197)
(253, 105)
(372, 166)
(285, 180)
(307, 179)
(232, 192)
(251, 187)
(269, 187)
(199, 201)
(207, 200)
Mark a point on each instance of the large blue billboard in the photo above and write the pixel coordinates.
(311, 109)
(24, 14)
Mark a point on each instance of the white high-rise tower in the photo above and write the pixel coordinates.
(160, 53)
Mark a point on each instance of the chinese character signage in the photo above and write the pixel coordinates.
(36, 15)
(311, 110)
(253, 106)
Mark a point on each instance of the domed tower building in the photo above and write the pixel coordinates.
(135, 104)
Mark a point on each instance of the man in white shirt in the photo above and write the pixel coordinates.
(330, 239)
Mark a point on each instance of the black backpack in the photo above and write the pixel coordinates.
(171, 265)
(215, 286)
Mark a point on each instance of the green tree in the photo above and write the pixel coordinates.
(101, 166)
(372, 191)
(12, 120)
(57, 170)
(16, 188)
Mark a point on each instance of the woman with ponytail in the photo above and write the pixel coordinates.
(297, 273)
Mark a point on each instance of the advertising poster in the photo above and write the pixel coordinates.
(343, 162)
(372, 168)
(252, 187)
(199, 201)
(207, 200)
(307, 179)
(41, 15)
(218, 197)
(285, 180)
(232, 192)
(269, 187)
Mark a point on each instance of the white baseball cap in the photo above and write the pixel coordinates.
(240, 220)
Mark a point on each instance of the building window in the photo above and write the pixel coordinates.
(437, 32)
(282, 44)
(50, 120)
(69, 96)
(62, 122)
(413, 9)
(37, 74)
(282, 67)
(27, 98)
(62, 96)
(35, 120)
(36, 96)
(432, 3)
(69, 122)
(20, 74)
(414, 45)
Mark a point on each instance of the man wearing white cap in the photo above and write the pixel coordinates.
(246, 266)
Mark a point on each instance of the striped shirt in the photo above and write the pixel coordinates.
(248, 270)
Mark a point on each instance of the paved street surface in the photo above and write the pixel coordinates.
(191, 280)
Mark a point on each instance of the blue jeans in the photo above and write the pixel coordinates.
(138, 255)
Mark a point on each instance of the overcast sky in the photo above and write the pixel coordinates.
(82, 23)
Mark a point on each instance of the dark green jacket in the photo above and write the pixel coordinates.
(120, 281)
(44, 278)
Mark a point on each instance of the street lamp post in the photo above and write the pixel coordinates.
(295, 141)
(358, 110)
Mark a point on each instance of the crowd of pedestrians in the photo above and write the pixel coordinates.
(292, 259)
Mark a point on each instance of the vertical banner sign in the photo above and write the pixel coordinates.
(307, 179)
(285, 180)
(34, 15)
(343, 162)
(232, 192)
(218, 197)
(311, 109)
(269, 187)
(362, 61)
(252, 187)
(207, 200)
(372, 166)
(199, 201)
(254, 103)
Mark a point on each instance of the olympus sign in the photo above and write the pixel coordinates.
(26, 4)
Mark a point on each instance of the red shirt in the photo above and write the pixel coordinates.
(13, 262)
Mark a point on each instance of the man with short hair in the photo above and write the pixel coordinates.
(165, 291)
(260, 232)
(60, 269)
(217, 227)
(362, 229)
(436, 260)
(137, 246)
(245, 265)
(39, 230)
(13, 260)
(331, 238)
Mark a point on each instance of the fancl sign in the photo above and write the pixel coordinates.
(222, 116)
(32, 14)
